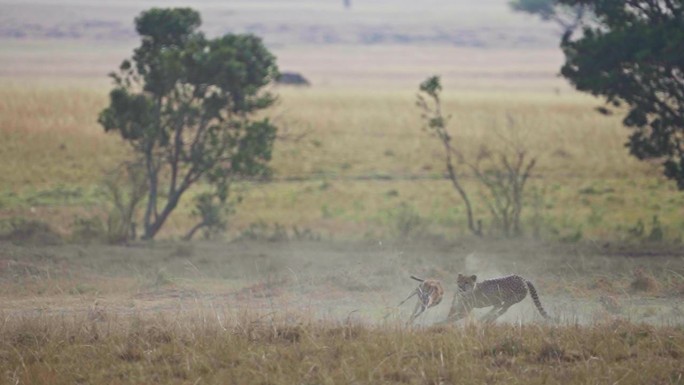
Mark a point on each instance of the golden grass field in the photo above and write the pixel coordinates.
(351, 158)
(196, 348)
(303, 287)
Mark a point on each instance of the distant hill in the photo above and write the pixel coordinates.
(466, 23)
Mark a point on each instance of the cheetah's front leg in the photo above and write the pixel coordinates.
(491, 315)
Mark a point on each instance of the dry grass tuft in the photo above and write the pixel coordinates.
(611, 304)
(604, 285)
(192, 346)
(509, 346)
(551, 352)
(28, 232)
(644, 281)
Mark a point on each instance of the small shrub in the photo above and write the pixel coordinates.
(573, 237)
(595, 216)
(643, 281)
(125, 188)
(272, 286)
(550, 352)
(88, 230)
(130, 352)
(291, 334)
(509, 346)
(213, 213)
(657, 232)
(305, 234)
(636, 231)
(261, 231)
(407, 223)
(28, 231)
(163, 278)
(81, 288)
(603, 285)
(610, 304)
(183, 250)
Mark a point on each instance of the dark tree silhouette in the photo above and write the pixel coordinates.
(633, 55)
(185, 102)
(568, 17)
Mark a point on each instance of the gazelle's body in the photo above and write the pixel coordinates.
(430, 293)
(501, 293)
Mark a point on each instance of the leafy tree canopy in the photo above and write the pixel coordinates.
(185, 103)
(633, 54)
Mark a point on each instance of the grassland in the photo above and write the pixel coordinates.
(322, 312)
(352, 162)
(197, 348)
(305, 289)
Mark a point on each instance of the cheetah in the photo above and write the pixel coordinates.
(502, 293)
(430, 293)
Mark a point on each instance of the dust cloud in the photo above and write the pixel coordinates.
(339, 281)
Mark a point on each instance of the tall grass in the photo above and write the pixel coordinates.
(378, 132)
(219, 347)
(354, 156)
(50, 136)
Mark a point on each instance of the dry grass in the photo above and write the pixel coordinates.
(644, 281)
(53, 129)
(225, 347)
(306, 312)
(313, 312)
(54, 155)
(51, 136)
(378, 133)
(354, 141)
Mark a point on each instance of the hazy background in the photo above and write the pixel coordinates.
(479, 44)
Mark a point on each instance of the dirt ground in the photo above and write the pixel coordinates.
(363, 281)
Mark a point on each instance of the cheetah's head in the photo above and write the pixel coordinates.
(466, 283)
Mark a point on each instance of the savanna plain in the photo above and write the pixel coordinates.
(303, 286)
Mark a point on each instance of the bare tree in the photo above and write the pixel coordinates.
(436, 123)
(503, 171)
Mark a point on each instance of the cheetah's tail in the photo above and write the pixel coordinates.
(535, 298)
(417, 279)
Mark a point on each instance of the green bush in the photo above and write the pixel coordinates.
(406, 223)
(88, 230)
(21, 230)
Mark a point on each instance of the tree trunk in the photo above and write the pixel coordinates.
(154, 227)
(151, 196)
(192, 231)
(454, 181)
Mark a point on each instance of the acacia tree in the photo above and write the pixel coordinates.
(185, 103)
(633, 55)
